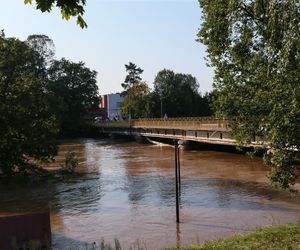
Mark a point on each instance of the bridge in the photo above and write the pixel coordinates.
(204, 130)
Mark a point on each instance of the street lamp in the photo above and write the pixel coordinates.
(161, 104)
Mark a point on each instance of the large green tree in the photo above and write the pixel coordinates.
(75, 92)
(133, 77)
(68, 8)
(136, 101)
(43, 46)
(132, 85)
(255, 49)
(27, 127)
(177, 94)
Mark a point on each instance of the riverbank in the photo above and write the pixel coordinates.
(277, 237)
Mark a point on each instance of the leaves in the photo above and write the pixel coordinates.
(27, 127)
(178, 94)
(133, 77)
(135, 101)
(68, 8)
(43, 46)
(39, 97)
(254, 47)
(74, 93)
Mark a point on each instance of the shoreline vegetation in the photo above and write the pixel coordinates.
(40, 171)
(279, 237)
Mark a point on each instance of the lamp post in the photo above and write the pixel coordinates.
(161, 109)
(161, 104)
(129, 108)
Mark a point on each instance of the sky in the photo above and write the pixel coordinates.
(154, 34)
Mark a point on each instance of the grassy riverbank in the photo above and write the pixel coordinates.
(278, 237)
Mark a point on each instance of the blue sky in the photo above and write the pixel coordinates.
(154, 34)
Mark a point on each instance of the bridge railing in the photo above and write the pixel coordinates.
(182, 122)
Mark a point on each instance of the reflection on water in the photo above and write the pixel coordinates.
(127, 191)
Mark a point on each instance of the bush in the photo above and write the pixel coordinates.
(71, 162)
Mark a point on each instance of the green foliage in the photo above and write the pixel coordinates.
(255, 49)
(179, 96)
(278, 237)
(68, 8)
(135, 101)
(38, 98)
(174, 94)
(133, 77)
(27, 127)
(43, 45)
(71, 163)
(74, 92)
(134, 92)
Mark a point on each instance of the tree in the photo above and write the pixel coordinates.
(68, 8)
(132, 77)
(131, 85)
(44, 47)
(178, 94)
(75, 92)
(204, 106)
(27, 127)
(135, 101)
(255, 49)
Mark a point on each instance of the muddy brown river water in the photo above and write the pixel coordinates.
(126, 191)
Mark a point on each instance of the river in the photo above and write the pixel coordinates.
(126, 191)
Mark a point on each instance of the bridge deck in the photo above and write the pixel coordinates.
(205, 130)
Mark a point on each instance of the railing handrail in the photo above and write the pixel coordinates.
(175, 122)
(179, 118)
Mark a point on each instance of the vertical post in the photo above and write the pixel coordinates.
(161, 108)
(178, 167)
(177, 235)
(176, 180)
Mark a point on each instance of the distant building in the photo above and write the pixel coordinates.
(111, 105)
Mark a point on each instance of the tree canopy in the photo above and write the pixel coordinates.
(39, 97)
(74, 91)
(27, 127)
(174, 95)
(43, 46)
(134, 91)
(254, 47)
(133, 77)
(178, 94)
(135, 101)
(67, 8)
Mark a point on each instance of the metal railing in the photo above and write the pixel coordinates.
(182, 122)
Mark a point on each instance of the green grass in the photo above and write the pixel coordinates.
(278, 237)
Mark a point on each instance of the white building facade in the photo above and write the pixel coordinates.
(112, 104)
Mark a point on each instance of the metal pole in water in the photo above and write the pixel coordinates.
(178, 166)
(177, 235)
(176, 180)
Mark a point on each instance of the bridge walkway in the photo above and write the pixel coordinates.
(205, 130)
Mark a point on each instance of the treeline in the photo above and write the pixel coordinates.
(174, 95)
(41, 98)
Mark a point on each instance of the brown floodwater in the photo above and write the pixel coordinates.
(126, 191)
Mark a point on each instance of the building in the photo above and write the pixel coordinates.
(111, 104)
